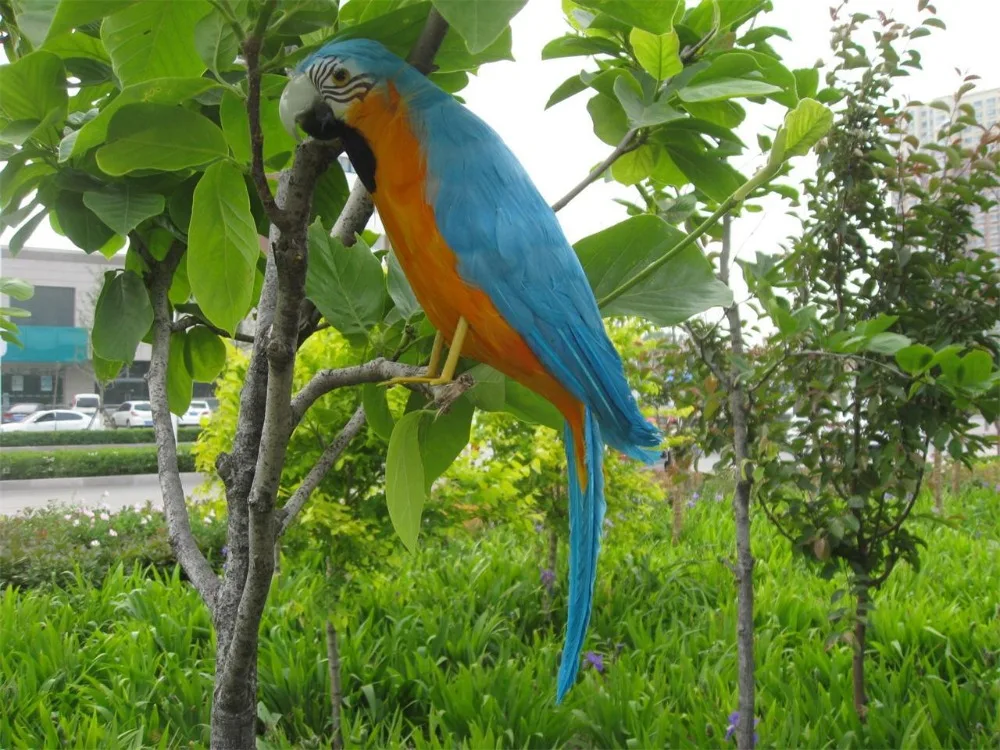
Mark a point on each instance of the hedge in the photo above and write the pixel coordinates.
(99, 462)
(92, 437)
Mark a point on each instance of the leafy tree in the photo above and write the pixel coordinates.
(167, 141)
(882, 308)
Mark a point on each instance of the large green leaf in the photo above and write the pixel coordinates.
(159, 91)
(216, 42)
(33, 97)
(154, 40)
(573, 45)
(400, 290)
(658, 54)
(570, 87)
(610, 120)
(479, 22)
(104, 369)
(494, 391)
(122, 208)
(72, 14)
(205, 354)
(222, 246)
(345, 283)
(639, 113)
(442, 438)
(654, 16)
(236, 126)
(35, 18)
(180, 384)
(159, 136)
(803, 127)
(682, 287)
(81, 225)
(405, 491)
(122, 316)
(719, 89)
(373, 398)
(636, 165)
(330, 195)
(711, 175)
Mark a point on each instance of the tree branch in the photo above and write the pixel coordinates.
(324, 381)
(190, 321)
(422, 55)
(251, 51)
(630, 142)
(330, 455)
(175, 509)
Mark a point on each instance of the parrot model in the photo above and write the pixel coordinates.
(490, 265)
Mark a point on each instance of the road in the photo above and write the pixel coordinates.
(117, 492)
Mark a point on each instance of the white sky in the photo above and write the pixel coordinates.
(558, 146)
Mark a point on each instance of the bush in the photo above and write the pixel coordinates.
(60, 545)
(42, 464)
(87, 437)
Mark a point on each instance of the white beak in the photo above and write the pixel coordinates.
(297, 98)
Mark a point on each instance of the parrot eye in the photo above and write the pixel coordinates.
(340, 75)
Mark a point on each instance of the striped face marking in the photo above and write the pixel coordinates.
(338, 84)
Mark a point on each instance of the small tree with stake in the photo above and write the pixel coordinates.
(883, 308)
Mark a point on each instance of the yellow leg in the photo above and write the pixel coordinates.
(454, 352)
(435, 363)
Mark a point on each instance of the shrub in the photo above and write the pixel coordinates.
(86, 437)
(57, 545)
(42, 464)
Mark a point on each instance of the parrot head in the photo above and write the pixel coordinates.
(326, 86)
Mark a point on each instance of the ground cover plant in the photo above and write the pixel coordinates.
(455, 647)
(87, 462)
(86, 437)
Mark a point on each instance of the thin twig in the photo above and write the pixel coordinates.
(251, 51)
(632, 140)
(190, 321)
(333, 452)
(324, 381)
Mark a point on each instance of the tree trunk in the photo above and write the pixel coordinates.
(956, 477)
(858, 665)
(333, 662)
(936, 482)
(234, 712)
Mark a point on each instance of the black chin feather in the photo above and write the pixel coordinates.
(320, 123)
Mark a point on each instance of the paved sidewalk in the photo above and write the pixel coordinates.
(117, 492)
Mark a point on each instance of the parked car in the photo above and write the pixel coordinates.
(194, 413)
(54, 420)
(133, 414)
(88, 403)
(20, 412)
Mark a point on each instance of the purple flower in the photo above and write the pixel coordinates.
(718, 497)
(539, 528)
(225, 551)
(595, 660)
(691, 503)
(734, 719)
(961, 278)
(548, 577)
(696, 496)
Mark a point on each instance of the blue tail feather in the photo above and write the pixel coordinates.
(586, 516)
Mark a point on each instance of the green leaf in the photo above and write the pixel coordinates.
(18, 180)
(400, 290)
(222, 246)
(105, 370)
(442, 438)
(639, 113)
(83, 228)
(405, 491)
(158, 136)
(635, 166)
(160, 91)
(494, 391)
(479, 22)
(570, 87)
(72, 14)
(803, 127)
(33, 96)
(18, 289)
(682, 287)
(976, 367)
(122, 316)
(658, 54)
(205, 353)
(610, 121)
(122, 208)
(330, 195)
(718, 89)
(216, 42)
(654, 16)
(711, 175)
(154, 40)
(914, 359)
(806, 82)
(346, 284)
(373, 398)
(22, 235)
(887, 343)
(180, 385)
(573, 45)
(236, 126)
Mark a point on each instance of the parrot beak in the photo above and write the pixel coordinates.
(302, 105)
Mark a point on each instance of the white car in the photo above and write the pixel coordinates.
(87, 403)
(133, 414)
(194, 413)
(54, 420)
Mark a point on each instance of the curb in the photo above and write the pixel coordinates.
(190, 479)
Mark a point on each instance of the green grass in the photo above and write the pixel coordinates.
(90, 437)
(86, 462)
(451, 648)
